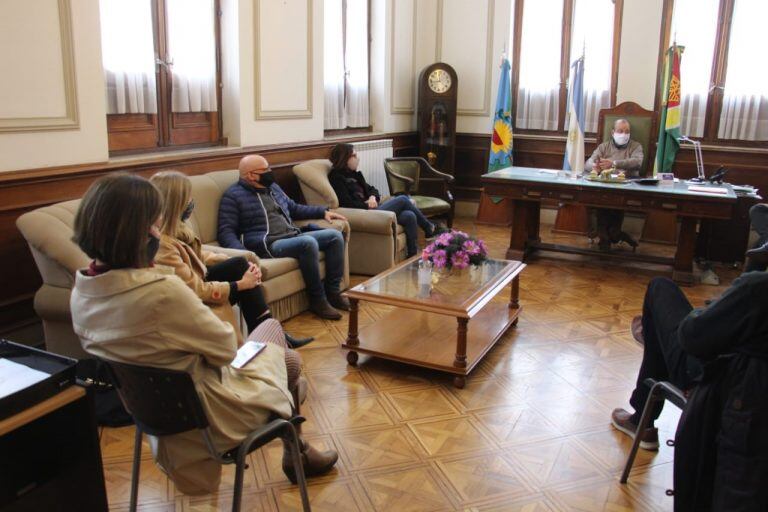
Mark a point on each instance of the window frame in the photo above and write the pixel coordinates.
(165, 124)
(565, 64)
(717, 77)
(351, 130)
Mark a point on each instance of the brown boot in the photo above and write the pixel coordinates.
(622, 421)
(338, 301)
(324, 310)
(314, 461)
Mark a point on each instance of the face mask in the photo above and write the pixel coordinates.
(620, 138)
(153, 245)
(267, 178)
(187, 213)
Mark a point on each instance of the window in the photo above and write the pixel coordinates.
(155, 102)
(548, 35)
(346, 64)
(724, 86)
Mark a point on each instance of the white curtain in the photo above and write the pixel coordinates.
(597, 46)
(694, 26)
(346, 64)
(745, 102)
(192, 50)
(333, 67)
(539, 90)
(128, 55)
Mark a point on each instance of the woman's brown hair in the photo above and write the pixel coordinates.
(114, 218)
(340, 155)
(176, 191)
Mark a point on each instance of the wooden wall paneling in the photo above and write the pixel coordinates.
(25, 190)
(132, 131)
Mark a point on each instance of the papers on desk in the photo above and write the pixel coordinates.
(15, 377)
(708, 190)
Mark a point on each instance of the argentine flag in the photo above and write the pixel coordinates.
(574, 148)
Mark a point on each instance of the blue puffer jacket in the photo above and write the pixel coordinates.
(242, 214)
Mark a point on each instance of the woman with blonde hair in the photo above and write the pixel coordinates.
(219, 280)
(126, 309)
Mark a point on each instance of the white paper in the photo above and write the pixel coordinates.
(708, 190)
(15, 377)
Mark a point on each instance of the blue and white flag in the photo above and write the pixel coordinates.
(574, 148)
(501, 131)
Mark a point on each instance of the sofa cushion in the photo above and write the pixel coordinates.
(207, 190)
(313, 180)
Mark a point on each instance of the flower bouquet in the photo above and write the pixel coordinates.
(455, 249)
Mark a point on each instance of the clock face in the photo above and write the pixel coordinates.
(439, 81)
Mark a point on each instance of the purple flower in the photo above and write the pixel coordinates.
(460, 259)
(444, 239)
(483, 247)
(439, 258)
(471, 247)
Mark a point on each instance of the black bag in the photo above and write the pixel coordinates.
(110, 411)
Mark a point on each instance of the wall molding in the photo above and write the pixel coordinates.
(262, 114)
(395, 109)
(71, 119)
(485, 111)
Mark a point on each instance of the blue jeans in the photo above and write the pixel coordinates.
(409, 217)
(306, 248)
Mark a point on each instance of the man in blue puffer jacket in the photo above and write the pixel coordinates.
(255, 214)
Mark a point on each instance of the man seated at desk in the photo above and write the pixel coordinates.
(623, 154)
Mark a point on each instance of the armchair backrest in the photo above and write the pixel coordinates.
(641, 122)
(313, 180)
(403, 167)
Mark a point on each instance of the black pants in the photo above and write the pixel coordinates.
(609, 224)
(664, 307)
(252, 303)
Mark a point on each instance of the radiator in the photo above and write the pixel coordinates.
(372, 154)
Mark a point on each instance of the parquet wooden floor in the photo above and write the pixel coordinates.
(530, 432)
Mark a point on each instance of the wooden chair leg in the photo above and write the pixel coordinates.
(135, 471)
(645, 418)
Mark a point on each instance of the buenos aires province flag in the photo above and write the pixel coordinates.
(501, 134)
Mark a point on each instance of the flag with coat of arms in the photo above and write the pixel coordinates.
(501, 134)
(669, 121)
(574, 147)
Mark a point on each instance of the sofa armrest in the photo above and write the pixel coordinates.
(369, 221)
(339, 225)
(248, 255)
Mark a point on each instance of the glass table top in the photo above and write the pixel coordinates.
(457, 289)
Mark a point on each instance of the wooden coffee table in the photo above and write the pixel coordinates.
(418, 331)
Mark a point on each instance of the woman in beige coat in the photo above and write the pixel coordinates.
(219, 280)
(125, 309)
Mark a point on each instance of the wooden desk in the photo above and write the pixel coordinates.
(51, 458)
(526, 187)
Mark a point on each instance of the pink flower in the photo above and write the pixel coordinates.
(471, 247)
(460, 259)
(444, 239)
(439, 258)
(483, 247)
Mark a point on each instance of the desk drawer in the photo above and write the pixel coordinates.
(510, 191)
(707, 209)
(603, 198)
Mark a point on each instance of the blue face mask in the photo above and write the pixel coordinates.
(187, 213)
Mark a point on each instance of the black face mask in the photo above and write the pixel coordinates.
(187, 213)
(267, 179)
(153, 245)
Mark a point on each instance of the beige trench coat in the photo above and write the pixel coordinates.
(150, 317)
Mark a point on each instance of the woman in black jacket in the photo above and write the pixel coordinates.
(354, 192)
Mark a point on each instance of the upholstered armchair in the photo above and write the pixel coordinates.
(376, 240)
(405, 176)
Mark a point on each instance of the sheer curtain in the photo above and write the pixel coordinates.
(745, 101)
(694, 25)
(597, 45)
(346, 64)
(539, 90)
(192, 50)
(128, 55)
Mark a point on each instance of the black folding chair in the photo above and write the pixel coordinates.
(165, 402)
(660, 391)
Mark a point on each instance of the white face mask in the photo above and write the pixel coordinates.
(620, 138)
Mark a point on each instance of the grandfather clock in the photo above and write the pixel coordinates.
(437, 116)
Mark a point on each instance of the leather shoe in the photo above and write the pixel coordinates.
(637, 329)
(622, 421)
(313, 460)
(324, 310)
(297, 342)
(758, 254)
(338, 301)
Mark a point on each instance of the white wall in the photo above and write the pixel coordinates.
(34, 85)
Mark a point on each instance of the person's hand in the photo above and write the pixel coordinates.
(371, 202)
(329, 216)
(251, 278)
(605, 164)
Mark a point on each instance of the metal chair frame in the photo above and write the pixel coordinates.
(660, 391)
(286, 429)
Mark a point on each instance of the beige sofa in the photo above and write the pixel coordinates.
(377, 240)
(48, 232)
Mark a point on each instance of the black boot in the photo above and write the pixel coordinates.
(338, 301)
(323, 309)
(297, 342)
